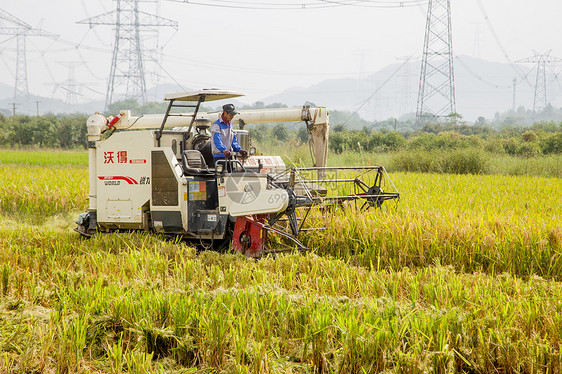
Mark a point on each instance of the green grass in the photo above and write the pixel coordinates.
(462, 275)
(43, 158)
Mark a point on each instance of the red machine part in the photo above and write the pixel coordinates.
(249, 236)
(114, 120)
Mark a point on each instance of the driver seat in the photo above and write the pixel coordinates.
(194, 163)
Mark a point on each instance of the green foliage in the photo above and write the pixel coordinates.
(463, 129)
(462, 161)
(71, 132)
(302, 134)
(259, 133)
(261, 105)
(552, 144)
(136, 109)
(338, 128)
(517, 147)
(469, 161)
(127, 104)
(348, 119)
(42, 158)
(346, 141)
(44, 131)
(385, 141)
(448, 137)
(151, 108)
(529, 136)
(280, 132)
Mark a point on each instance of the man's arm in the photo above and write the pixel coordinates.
(235, 146)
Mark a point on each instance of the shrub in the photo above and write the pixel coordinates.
(424, 141)
(529, 136)
(494, 146)
(349, 141)
(464, 162)
(518, 148)
(259, 133)
(413, 161)
(393, 141)
(529, 150)
(552, 144)
(471, 161)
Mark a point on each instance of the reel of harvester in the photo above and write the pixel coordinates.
(308, 189)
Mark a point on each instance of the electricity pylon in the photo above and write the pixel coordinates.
(10, 25)
(127, 75)
(540, 100)
(436, 95)
(70, 85)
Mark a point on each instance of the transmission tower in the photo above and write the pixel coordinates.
(436, 95)
(70, 85)
(127, 75)
(10, 25)
(540, 100)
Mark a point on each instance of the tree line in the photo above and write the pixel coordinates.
(69, 132)
(48, 131)
(540, 138)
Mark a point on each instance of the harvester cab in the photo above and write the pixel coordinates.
(156, 173)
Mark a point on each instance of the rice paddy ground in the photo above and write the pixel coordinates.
(462, 275)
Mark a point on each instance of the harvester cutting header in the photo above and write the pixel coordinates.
(157, 173)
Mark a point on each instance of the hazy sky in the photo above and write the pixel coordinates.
(264, 51)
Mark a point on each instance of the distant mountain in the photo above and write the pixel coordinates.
(32, 104)
(157, 93)
(482, 89)
(5, 90)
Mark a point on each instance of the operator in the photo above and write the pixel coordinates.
(223, 139)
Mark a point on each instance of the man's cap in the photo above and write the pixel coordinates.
(229, 108)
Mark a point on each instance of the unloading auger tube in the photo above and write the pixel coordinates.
(149, 173)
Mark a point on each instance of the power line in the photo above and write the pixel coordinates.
(100, 40)
(127, 65)
(485, 81)
(378, 4)
(230, 67)
(21, 30)
(166, 71)
(321, 4)
(379, 88)
(497, 39)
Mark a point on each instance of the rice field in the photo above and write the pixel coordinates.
(462, 275)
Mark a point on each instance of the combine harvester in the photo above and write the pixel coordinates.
(156, 173)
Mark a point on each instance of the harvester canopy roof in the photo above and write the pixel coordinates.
(209, 95)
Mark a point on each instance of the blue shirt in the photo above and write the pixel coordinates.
(223, 138)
